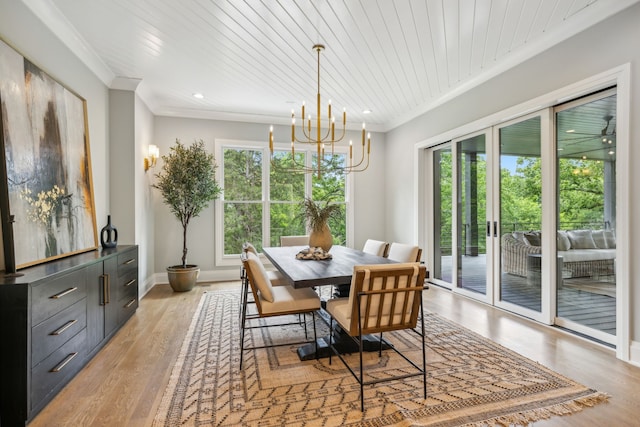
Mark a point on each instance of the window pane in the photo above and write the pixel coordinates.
(285, 221)
(242, 223)
(285, 185)
(331, 186)
(242, 174)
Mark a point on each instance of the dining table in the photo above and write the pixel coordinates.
(308, 273)
(335, 271)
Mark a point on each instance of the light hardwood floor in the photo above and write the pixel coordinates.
(124, 383)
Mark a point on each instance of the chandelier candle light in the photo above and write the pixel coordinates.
(321, 140)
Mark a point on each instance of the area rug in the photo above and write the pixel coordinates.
(471, 381)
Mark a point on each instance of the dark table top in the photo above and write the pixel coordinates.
(308, 273)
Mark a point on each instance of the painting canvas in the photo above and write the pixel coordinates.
(49, 189)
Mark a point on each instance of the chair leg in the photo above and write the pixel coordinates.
(330, 339)
(242, 329)
(424, 354)
(380, 348)
(243, 321)
(361, 374)
(315, 337)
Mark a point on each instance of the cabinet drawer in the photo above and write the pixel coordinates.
(53, 332)
(126, 308)
(48, 298)
(127, 262)
(53, 372)
(127, 286)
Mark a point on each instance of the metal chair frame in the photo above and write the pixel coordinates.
(247, 283)
(363, 301)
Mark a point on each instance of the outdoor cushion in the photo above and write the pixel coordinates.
(599, 238)
(587, 255)
(533, 238)
(562, 241)
(581, 239)
(610, 236)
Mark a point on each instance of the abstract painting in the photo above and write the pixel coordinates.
(48, 187)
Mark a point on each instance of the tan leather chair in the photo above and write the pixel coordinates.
(274, 301)
(294, 240)
(276, 278)
(402, 252)
(383, 298)
(376, 247)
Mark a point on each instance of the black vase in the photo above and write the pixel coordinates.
(108, 235)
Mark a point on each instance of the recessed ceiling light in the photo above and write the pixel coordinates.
(198, 95)
(366, 111)
(571, 131)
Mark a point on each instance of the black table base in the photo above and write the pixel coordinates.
(342, 342)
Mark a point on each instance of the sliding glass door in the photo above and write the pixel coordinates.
(524, 215)
(586, 215)
(471, 214)
(442, 262)
(519, 192)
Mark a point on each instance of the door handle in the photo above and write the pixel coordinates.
(488, 228)
(495, 228)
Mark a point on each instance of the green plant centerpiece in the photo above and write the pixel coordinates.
(317, 215)
(187, 182)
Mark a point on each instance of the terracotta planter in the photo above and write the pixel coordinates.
(322, 238)
(183, 279)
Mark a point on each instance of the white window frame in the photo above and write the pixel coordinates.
(220, 144)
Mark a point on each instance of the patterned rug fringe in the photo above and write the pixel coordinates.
(527, 417)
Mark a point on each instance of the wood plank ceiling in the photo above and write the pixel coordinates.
(253, 60)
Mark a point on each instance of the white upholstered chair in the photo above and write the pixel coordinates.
(376, 247)
(383, 298)
(274, 301)
(402, 252)
(294, 240)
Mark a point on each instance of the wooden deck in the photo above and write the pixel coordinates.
(589, 302)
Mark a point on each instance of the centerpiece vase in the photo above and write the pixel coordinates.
(322, 238)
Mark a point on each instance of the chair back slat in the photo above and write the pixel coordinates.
(386, 297)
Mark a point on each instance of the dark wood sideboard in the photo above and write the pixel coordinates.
(54, 318)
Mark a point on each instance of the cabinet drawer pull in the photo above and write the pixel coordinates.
(130, 303)
(66, 360)
(129, 283)
(64, 327)
(129, 261)
(63, 293)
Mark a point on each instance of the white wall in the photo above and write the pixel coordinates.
(144, 214)
(168, 232)
(585, 55)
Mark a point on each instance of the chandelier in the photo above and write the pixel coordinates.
(325, 141)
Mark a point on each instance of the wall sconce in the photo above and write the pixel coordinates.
(150, 161)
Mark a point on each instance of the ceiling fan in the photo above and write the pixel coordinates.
(607, 135)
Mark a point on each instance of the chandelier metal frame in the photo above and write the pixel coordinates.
(323, 138)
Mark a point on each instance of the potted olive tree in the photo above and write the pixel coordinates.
(188, 184)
